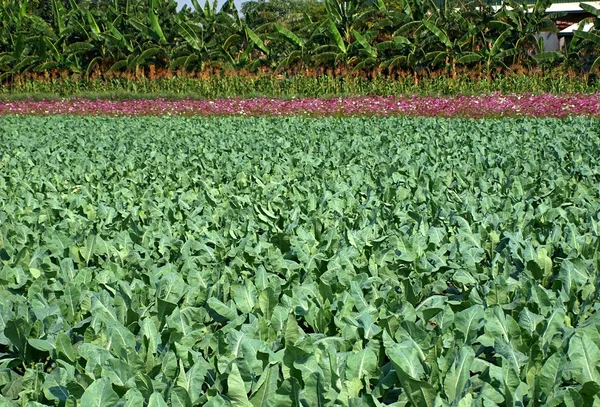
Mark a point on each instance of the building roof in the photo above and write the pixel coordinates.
(561, 7)
(574, 27)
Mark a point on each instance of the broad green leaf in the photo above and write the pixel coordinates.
(236, 389)
(100, 394)
(361, 364)
(221, 309)
(244, 297)
(292, 331)
(192, 380)
(438, 32)
(256, 40)
(404, 356)
(314, 390)
(419, 393)
(364, 43)
(584, 356)
(289, 35)
(550, 375)
(468, 320)
(513, 357)
(156, 400)
(180, 398)
(337, 37)
(64, 347)
(265, 396)
(457, 378)
(288, 393)
(153, 18)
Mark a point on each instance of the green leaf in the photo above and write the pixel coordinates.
(457, 378)
(361, 364)
(58, 12)
(292, 331)
(133, 398)
(93, 24)
(156, 400)
(265, 396)
(149, 53)
(236, 389)
(529, 320)
(41, 344)
(88, 250)
(590, 9)
(499, 42)
(17, 331)
(468, 320)
(584, 356)
(589, 36)
(256, 40)
(548, 56)
(404, 356)
(438, 32)
(337, 37)
(469, 58)
(314, 390)
(514, 358)
(288, 394)
(153, 18)
(77, 47)
(244, 296)
(550, 376)
(179, 397)
(117, 66)
(419, 393)
(187, 32)
(192, 380)
(267, 301)
(221, 309)
(289, 35)
(364, 43)
(100, 394)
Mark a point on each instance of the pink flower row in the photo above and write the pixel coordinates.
(495, 105)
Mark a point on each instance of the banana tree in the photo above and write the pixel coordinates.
(450, 51)
(399, 51)
(334, 49)
(366, 54)
(497, 52)
(193, 49)
(591, 39)
(349, 15)
(153, 38)
(215, 35)
(526, 22)
(295, 49)
(14, 34)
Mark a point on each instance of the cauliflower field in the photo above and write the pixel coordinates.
(172, 261)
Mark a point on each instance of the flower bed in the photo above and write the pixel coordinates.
(487, 106)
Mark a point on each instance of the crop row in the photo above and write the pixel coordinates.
(216, 84)
(460, 106)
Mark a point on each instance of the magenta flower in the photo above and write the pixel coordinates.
(494, 105)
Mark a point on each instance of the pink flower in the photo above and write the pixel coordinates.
(494, 105)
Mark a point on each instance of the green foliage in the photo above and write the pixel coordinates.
(231, 84)
(266, 262)
(107, 37)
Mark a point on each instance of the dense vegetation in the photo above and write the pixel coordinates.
(299, 262)
(102, 37)
(234, 84)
